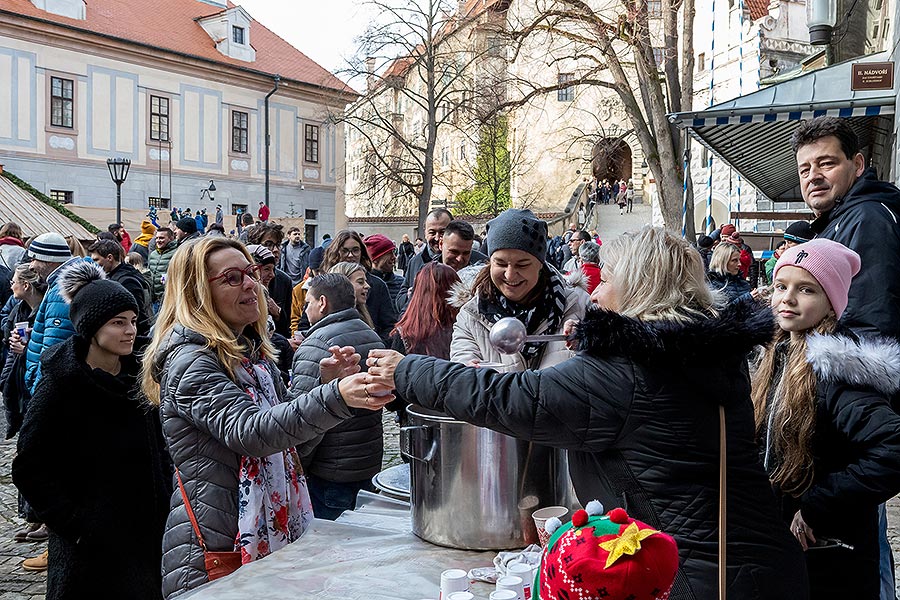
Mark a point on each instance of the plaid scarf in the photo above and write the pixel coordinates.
(549, 308)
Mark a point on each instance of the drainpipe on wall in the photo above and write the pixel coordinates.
(268, 137)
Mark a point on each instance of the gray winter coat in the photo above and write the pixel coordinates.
(209, 423)
(353, 450)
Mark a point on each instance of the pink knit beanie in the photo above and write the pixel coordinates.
(832, 264)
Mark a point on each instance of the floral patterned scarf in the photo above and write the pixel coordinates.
(274, 508)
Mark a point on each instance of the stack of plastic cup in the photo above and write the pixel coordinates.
(526, 572)
(503, 595)
(453, 580)
(461, 596)
(512, 583)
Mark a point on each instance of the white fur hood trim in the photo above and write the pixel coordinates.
(873, 362)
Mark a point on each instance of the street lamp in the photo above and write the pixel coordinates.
(118, 170)
(209, 191)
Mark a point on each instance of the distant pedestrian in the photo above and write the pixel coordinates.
(12, 245)
(220, 216)
(405, 252)
(263, 213)
(629, 196)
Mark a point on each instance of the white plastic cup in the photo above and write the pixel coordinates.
(503, 595)
(453, 580)
(541, 516)
(526, 572)
(461, 596)
(512, 583)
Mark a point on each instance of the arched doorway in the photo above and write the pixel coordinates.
(611, 160)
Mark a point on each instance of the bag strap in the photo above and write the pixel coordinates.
(187, 506)
(723, 462)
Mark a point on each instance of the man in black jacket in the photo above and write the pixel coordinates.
(109, 255)
(343, 461)
(856, 209)
(435, 224)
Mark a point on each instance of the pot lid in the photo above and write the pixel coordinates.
(430, 414)
(394, 480)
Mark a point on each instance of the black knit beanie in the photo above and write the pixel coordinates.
(518, 229)
(187, 225)
(93, 299)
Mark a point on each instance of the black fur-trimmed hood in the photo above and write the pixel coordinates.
(733, 332)
(868, 362)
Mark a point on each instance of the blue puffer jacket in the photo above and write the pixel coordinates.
(51, 326)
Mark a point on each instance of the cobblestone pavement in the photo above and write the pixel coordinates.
(15, 582)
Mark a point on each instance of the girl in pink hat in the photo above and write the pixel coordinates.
(829, 437)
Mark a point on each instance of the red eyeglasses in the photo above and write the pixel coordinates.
(235, 277)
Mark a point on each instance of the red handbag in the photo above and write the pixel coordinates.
(217, 564)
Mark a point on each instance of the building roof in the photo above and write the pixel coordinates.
(758, 8)
(172, 25)
(33, 216)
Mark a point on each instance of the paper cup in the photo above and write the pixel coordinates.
(503, 595)
(541, 516)
(526, 573)
(512, 583)
(453, 580)
(461, 596)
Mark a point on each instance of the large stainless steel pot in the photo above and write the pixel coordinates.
(473, 488)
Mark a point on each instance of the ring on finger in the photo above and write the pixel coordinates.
(368, 395)
(376, 362)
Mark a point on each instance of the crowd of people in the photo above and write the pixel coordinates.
(236, 382)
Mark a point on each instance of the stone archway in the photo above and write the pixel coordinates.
(611, 159)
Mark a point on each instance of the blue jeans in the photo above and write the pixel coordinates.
(331, 498)
(887, 558)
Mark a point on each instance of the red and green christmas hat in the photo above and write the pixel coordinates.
(611, 557)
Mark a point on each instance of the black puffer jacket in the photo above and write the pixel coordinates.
(92, 464)
(638, 411)
(735, 287)
(353, 450)
(866, 220)
(856, 456)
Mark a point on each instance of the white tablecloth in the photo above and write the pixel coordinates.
(367, 554)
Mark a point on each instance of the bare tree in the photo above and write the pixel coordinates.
(618, 45)
(419, 75)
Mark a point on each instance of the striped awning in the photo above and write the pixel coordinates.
(752, 133)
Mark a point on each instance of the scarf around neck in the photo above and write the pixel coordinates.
(274, 507)
(549, 308)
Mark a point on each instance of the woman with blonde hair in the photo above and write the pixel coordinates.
(660, 374)
(357, 275)
(228, 427)
(830, 439)
(724, 274)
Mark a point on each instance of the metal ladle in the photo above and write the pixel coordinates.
(508, 336)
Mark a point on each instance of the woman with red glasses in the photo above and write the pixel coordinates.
(228, 426)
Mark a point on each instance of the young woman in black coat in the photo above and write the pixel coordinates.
(638, 410)
(91, 460)
(830, 440)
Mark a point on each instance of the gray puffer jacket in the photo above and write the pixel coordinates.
(209, 423)
(353, 450)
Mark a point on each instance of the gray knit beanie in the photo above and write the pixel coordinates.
(518, 229)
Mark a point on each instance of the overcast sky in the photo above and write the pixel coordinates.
(321, 29)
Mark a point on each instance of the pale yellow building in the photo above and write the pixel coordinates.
(179, 87)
